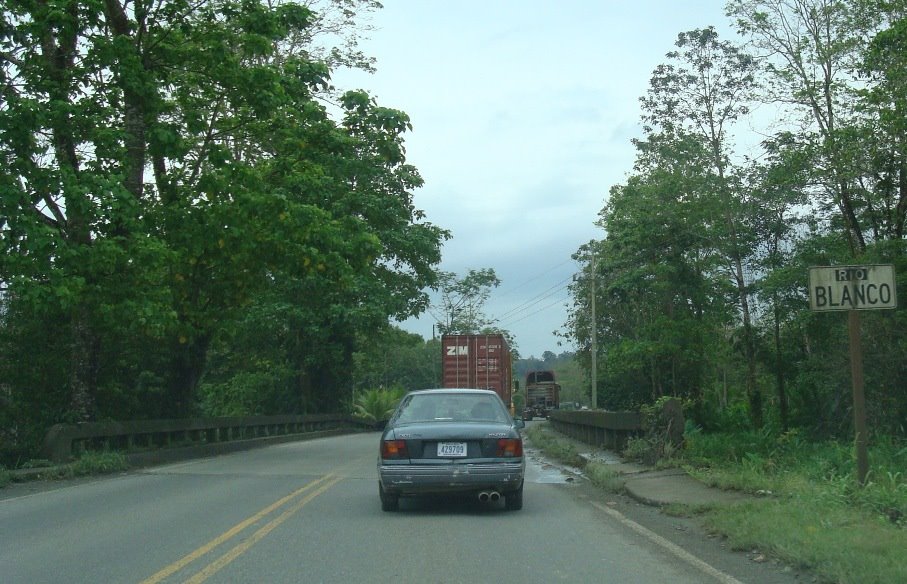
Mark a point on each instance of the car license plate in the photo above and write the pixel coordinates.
(451, 449)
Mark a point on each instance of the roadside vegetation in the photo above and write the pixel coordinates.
(699, 286)
(183, 246)
(375, 406)
(806, 509)
(809, 509)
(88, 464)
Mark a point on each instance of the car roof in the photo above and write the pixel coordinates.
(452, 390)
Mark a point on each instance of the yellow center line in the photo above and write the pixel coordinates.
(230, 533)
(243, 547)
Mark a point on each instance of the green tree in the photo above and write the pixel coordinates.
(811, 50)
(169, 174)
(393, 357)
(656, 303)
(703, 89)
(835, 71)
(462, 300)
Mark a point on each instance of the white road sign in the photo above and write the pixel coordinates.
(868, 287)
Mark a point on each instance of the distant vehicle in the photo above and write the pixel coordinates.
(477, 361)
(441, 441)
(543, 394)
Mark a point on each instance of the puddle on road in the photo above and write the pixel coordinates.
(539, 470)
(542, 470)
(606, 457)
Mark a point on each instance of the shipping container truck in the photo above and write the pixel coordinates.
(477, 362)
(543, 394)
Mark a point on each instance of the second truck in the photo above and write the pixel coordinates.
(543, 394)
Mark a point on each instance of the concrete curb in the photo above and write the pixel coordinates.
(674, 486)
(657, 488)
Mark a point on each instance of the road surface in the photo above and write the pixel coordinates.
(309, 512)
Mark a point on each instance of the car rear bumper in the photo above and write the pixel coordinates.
(414, 479)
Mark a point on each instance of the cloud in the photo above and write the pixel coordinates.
(523, 113)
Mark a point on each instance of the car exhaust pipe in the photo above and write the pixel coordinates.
(494, 495)
(484, 496)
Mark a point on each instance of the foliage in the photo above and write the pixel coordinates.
(377, 405)
(185, 227)
(811, 511)
(837, 544)
(790, 463)
(462, 299)
(392, 357)
(92, 463)
(806, 508)
(604, 477)
(700, 282)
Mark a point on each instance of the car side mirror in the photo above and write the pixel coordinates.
(519, 423)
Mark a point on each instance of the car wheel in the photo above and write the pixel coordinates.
(513, 501)
(389, 502)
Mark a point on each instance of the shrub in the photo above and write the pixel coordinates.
(91, 463)
(376, 405)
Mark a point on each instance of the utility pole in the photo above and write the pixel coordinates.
(594, 339)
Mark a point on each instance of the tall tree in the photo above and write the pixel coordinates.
(462, 300)
(658, 301)
(885, 103)
(168, 165)
(702, 90)
(811, 53)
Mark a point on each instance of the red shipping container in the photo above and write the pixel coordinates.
(477, 362)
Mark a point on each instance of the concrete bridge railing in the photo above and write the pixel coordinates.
(149, 440)
(610, 430)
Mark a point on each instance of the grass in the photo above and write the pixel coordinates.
(90, 463)
(812, 512)
(605, 477)
(838, 544)
(807, 509)
(555, 445)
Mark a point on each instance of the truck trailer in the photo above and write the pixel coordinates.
(477, 362)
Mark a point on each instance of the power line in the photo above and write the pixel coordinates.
(532, 279)
(538, 298)
(542, 309)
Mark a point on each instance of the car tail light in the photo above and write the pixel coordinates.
(394, 449)
(510, 447)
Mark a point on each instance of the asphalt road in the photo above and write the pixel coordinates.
(309, 512)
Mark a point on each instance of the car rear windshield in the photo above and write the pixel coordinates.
(452, 407)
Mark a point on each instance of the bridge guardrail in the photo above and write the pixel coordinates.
(141, 439)
(611, 430)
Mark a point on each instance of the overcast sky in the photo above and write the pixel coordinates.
(522, 112)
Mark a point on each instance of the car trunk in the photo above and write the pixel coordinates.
(454, 442)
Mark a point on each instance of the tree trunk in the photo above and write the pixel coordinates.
(83, 372)
(779, 369)
(186, 371)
